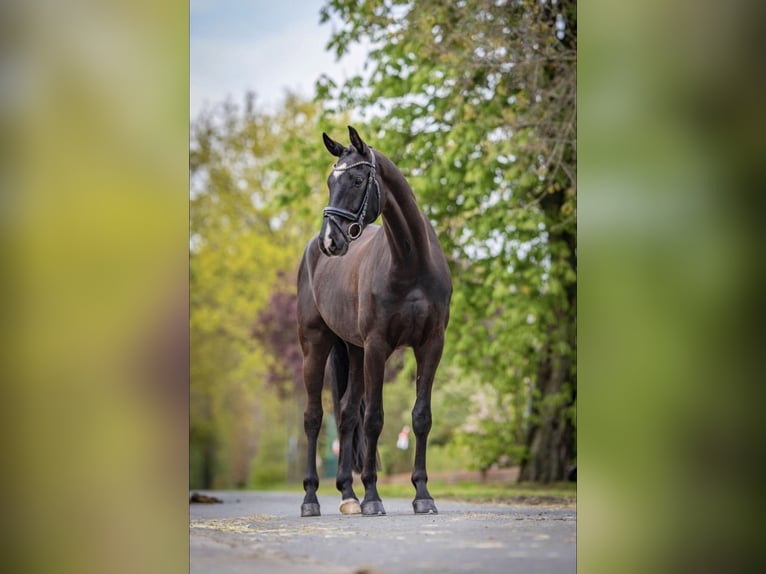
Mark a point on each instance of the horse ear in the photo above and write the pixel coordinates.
(356, 141)
(332, 146)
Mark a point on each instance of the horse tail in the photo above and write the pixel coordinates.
(337, 373)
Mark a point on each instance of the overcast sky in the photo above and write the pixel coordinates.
(264, 46)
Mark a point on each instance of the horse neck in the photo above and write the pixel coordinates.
(403, 223)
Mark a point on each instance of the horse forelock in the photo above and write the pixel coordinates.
(338, 169)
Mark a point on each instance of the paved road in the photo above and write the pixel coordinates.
(263, 532)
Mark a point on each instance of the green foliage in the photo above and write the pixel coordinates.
(244, 241)
(475, 102)
(268, 465)
(398, 399)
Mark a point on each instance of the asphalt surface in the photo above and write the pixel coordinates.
(263, 532)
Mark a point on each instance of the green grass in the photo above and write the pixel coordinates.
(529, 493)
(523, 493)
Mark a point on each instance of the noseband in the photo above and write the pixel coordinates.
(356, 219)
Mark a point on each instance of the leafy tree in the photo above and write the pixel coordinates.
(242, 240)
(275, 329)
(475, 101)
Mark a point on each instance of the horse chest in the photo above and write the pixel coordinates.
(407, 317)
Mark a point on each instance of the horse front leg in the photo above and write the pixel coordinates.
(375, 355)
(428, 357)
(314, 360)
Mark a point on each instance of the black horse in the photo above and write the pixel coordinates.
(364, 291)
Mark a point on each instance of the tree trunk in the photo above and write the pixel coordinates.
(550, 440)
(551, 435)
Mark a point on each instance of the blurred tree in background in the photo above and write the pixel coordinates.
(475, 102)
(243, 255)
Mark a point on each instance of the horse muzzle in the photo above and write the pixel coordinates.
(331, 242)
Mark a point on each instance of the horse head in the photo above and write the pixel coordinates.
(354, 194)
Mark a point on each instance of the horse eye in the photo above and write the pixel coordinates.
(358, 181)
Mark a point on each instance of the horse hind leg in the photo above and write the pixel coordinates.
(428, 357)
(347, 411)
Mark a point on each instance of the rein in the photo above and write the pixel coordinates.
(356, 219)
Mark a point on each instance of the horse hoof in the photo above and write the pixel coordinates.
(424, 506)
(310, 509)
(350, 506)
(373, 508)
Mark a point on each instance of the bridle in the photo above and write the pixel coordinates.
(356, 219)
